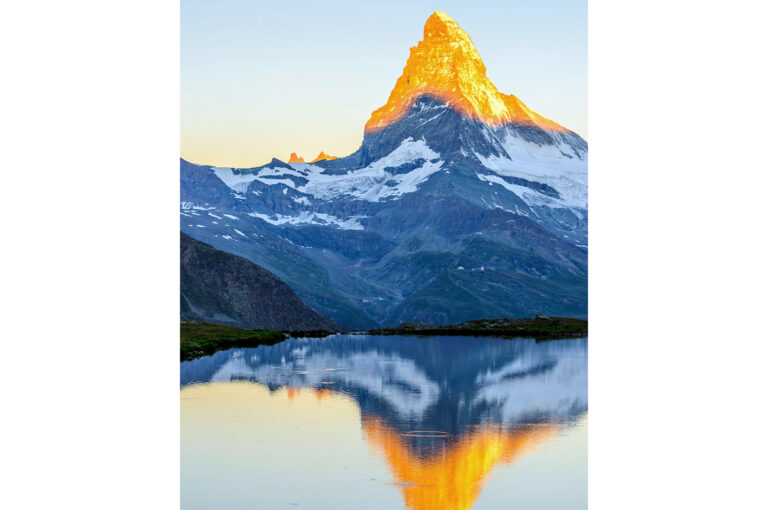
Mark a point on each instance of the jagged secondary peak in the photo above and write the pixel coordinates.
(323, 156)
(446, 66)
(295, 159)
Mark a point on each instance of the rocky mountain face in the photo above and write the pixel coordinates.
(323, 156)
(461, 203)
(223, 288)
(446, 66)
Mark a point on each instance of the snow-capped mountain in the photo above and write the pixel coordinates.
(461, 203)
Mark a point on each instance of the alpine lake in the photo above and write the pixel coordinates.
(386, 422)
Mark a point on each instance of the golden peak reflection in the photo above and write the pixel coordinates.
(322, 393)
(446, 66)
(452, 478)
(292, 392)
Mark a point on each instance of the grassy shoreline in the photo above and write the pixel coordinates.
(204, 338)
(539, 327)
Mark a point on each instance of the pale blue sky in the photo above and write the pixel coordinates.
(263, 79)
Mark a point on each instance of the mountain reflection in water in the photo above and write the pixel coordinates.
(453, 477)
(443, 412)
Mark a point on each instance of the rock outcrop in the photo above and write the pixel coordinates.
(220, 287)
(323, 156)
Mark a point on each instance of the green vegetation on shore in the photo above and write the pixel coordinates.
(204, 338)
(540, 327)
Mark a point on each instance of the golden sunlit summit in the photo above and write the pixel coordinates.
(446, 66)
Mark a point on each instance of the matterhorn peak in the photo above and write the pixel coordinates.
(323, 156)
(440, 24)
(295, 159)
(446, 66)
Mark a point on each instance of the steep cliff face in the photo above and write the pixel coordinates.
(227, 289)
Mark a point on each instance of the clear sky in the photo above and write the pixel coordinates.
(264, 79)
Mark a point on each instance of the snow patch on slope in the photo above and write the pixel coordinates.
(529, 196)
(190, 206)
(311, 218)
(372, 183)
(236, 182)
(555, 165)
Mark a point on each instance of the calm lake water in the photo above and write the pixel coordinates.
(370, 422)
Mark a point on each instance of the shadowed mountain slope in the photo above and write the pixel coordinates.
(223, 288)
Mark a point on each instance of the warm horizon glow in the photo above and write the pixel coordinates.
(260, 81)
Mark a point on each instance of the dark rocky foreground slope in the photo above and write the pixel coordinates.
(227, 289)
